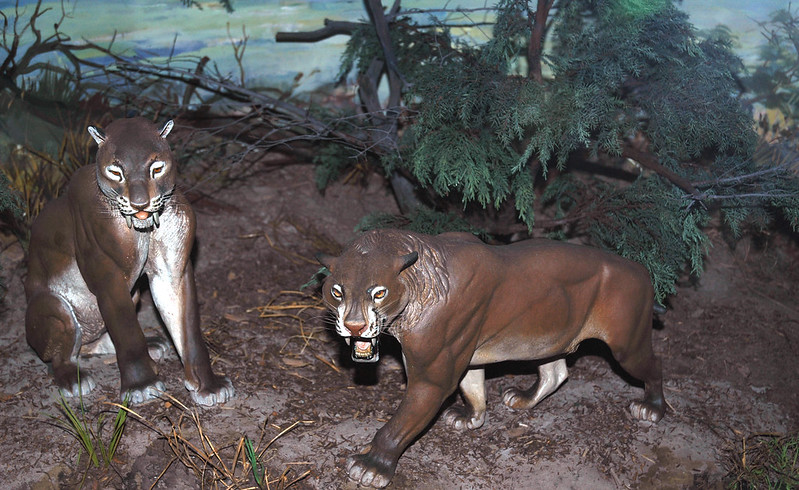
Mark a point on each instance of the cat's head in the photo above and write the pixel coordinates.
(366, 293)
(135, 169)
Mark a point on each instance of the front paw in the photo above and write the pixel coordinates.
(78, 388)
(370, 471)
(157, 347)
(518, 399)
(460, 418)
(646, 411)
(218, 391)
(71, 381)
(141, 394)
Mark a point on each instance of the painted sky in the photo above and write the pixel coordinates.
(158, 27)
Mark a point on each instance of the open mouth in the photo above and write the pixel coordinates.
(363, 349)
(143, 219)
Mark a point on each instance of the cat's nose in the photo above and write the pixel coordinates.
(139, 197)
(355, 328)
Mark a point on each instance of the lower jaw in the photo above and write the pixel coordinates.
(361, 352)
(152, 221)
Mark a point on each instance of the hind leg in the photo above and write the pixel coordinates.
(157, 347)
(643, 365)
(550, 376)
(473, 415)
(51, 330)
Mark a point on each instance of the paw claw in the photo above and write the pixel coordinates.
(646, 412)
(86, 385)
(514, 399)
(459, 420)
(208, 398)
(362, 470)
(157, 347)
(145, 393)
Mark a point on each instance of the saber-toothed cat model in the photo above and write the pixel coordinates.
(118, 220)
(457, 304)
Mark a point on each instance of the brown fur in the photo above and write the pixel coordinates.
(118, 220)
(457, 304)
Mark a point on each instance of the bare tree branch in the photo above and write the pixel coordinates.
(375, 9)
(537, 34)
(649, 161)
(332, 28)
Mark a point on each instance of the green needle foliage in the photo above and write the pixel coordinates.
(625, 127)
(422, 220)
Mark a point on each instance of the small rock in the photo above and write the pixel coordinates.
(744, 371)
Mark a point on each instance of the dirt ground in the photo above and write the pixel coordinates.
(729, 348)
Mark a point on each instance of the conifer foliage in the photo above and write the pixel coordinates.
(609, 119)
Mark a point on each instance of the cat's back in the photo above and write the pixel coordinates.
(52, 242)
(56, 217)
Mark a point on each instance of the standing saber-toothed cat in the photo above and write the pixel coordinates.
(118, 220)
(456, 304)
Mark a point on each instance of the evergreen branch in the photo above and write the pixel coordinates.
(573, 217)
(753, 195)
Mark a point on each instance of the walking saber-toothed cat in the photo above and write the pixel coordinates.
(456, 305)
(118, 220)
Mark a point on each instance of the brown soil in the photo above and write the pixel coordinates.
(729, 347)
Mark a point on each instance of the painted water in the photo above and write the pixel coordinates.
(159, 28)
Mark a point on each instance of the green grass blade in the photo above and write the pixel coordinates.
(119, 429)
(78, 428)
(252, 457)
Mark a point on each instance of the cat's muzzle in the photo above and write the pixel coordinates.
(363, 349)
(143, 220)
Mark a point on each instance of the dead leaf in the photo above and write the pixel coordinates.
(235, 318)
(289, 361)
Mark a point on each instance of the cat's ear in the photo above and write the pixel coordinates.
(327, 260)
(407, 260)
(97, 134)
(167, 128)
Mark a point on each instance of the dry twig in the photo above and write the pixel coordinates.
(191, 445)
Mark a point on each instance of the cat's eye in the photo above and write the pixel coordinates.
(379, 293)
(114, 173)
(157, 168)
(336, 292)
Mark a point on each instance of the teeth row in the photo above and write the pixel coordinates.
(129, 220)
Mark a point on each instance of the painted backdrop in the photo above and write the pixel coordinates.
(159, 27)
